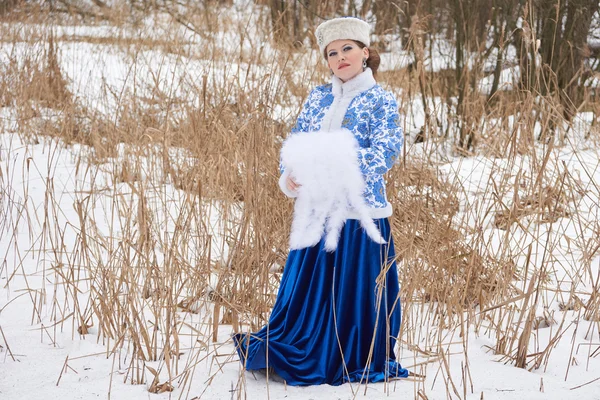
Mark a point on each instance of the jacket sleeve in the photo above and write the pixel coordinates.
(386, 138)
(302, 124)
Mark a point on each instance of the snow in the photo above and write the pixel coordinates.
(42, 185)
(507, 80)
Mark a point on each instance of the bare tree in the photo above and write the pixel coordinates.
(504, 21)
(564, 29)
(8, 5)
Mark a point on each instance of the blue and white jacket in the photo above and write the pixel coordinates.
(371, 114)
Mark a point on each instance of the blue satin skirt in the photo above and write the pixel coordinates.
(336, 316)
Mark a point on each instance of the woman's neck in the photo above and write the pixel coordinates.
(357, 84)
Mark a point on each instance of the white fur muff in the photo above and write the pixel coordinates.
(325, 164)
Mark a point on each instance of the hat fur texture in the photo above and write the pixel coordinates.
(342, 28)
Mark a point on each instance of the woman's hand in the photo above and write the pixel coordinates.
(291, 184)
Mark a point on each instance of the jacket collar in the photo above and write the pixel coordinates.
(354, 86)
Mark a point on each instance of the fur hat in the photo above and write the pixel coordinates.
(342, 28)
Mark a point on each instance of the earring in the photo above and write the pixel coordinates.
(330, 70)
(364, 63)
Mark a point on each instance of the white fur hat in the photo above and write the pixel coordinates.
(342, 28)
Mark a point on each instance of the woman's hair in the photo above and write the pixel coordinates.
(372, 62)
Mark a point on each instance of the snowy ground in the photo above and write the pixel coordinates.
(39, 358)
(41, 184)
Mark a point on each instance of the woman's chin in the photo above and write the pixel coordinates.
(346, 75)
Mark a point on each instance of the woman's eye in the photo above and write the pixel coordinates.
(333, 53)
(347, 48)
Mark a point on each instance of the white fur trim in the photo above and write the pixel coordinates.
(343, 28)
(360, 83)
(283, 186)
(375, 213)
(326, 166)
(343, 93)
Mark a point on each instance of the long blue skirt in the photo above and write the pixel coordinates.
(336, 316)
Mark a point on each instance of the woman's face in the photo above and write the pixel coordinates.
(345, 58)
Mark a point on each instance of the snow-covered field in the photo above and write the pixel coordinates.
(54, 201)
(42, 358)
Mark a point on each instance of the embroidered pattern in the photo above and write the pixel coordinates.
(372, 117)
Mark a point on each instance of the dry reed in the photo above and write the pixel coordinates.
(197, 227)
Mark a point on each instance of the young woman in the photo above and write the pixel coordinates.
(337, 313)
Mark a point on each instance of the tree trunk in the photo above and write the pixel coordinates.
(461, 45)
(287, 22)
(7, 5)
(563, 47)
(507, 15)
(568, 66)
(386, 15)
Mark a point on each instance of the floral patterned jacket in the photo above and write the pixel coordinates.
(371, 114)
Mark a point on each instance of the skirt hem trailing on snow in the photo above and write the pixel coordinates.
(336, 316)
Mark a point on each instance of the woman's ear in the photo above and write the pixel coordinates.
(366, 52)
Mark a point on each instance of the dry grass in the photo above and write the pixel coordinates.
(197, 226)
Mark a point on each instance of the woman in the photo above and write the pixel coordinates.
(337, 313)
